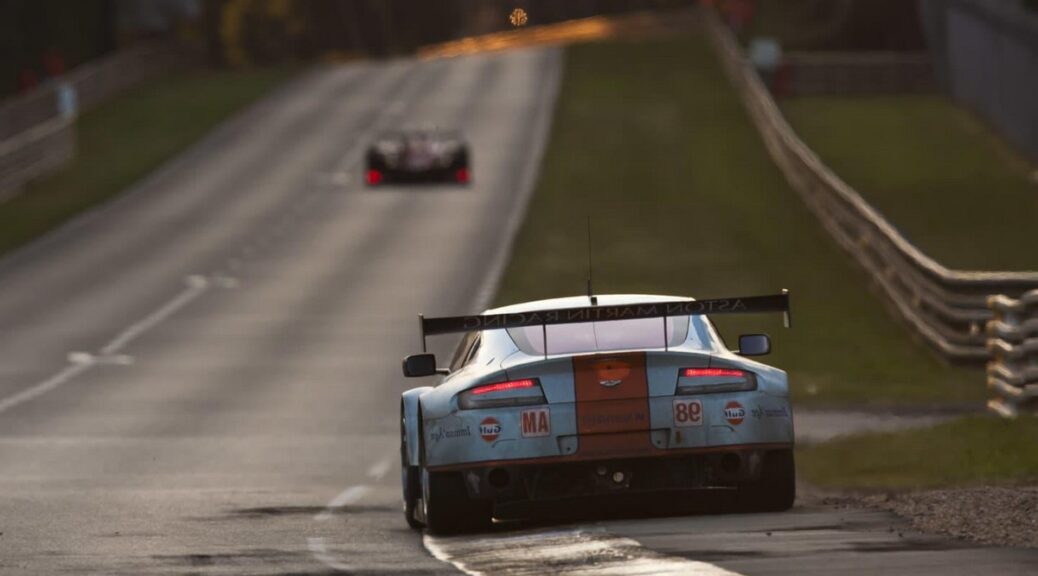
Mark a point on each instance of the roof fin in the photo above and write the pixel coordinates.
(590, 293)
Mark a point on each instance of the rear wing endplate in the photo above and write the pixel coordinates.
(744, 305)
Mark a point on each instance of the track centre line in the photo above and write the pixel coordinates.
(351, 495)
(80, 362)
(195, 286)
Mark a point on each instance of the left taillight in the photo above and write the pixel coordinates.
(713, 380)
(374, 177)
(511, 393)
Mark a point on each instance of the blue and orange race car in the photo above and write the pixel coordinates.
(593, 396)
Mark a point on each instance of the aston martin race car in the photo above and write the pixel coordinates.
(421, 155)
(577, 398)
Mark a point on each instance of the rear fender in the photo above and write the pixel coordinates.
(409, 407)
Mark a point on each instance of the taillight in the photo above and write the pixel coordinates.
(711, 380)
(512, 393)
(374, 177)
(462, 175)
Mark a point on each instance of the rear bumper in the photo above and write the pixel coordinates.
(561, 479)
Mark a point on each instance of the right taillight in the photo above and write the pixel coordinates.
(523, 392)
(712, 380)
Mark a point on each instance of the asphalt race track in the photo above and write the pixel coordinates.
(203, 376)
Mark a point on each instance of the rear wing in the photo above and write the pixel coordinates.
(744, 305)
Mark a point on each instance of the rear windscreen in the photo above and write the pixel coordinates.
(602, 336)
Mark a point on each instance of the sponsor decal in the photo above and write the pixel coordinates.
(489, 429)
(611, 373)
(536, 423)
(734, 413)
(446, 433)
(759, 412)
(687, 413)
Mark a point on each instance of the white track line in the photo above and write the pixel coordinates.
(320, 552)
(351, 495)
(316, 544)
(80, 362)
(528, 179)
(196, 285)
(380, 469)
(68, 373)
(578, 552)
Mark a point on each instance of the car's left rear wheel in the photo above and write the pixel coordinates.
(448, 508)
(410, 481)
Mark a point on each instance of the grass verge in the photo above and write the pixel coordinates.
(952, 186)
(651, 142)
(124, 139)
(968, 451)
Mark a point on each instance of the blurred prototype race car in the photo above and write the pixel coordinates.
(418, 155)
(556, 400)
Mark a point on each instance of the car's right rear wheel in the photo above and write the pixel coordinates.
(776, 488)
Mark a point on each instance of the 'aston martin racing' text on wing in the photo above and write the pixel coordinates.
(554, 400)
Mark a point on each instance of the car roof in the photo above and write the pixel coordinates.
(581, 301)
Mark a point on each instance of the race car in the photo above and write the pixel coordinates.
(418, 155)
(563, 400)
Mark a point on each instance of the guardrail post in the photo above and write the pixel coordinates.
(1013, 345)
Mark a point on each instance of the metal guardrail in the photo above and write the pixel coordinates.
(34, 152)
(1013, 344)
(36, 137)
(947, 308)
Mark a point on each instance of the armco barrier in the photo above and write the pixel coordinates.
(1013, 344)
(34, 137)
(34, 152)
(947, 308)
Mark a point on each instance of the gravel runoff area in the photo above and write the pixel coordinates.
(998, 516)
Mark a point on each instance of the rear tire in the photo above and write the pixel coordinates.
(776, 489)
(410, 480)
(448, 508)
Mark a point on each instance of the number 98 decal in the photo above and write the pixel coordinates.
(687, 413)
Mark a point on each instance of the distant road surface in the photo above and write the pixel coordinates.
(203, 375)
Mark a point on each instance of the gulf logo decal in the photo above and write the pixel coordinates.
(489, 429)
(536, 423)
(734, 413)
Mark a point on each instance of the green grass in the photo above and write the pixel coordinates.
(127, 137)
(650, 140)
(975, 450)
(953, 187)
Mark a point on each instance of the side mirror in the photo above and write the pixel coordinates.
(419, 365)
(754, 345)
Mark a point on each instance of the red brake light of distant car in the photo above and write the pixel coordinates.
(462, 175)
(374, 177)
(512, 393)
(712, 380)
